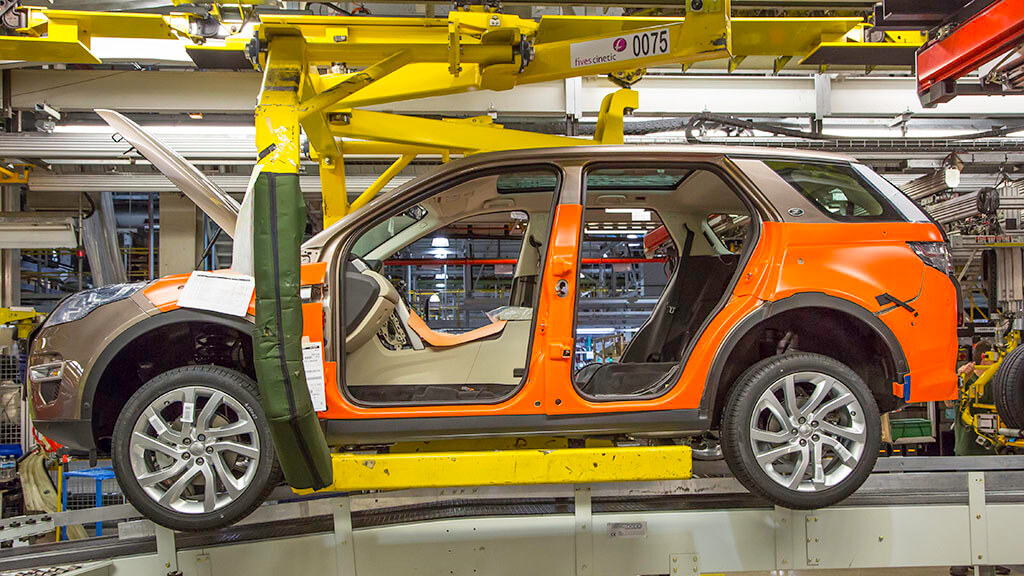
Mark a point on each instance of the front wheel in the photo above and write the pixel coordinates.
(801, 430)
(192, 449)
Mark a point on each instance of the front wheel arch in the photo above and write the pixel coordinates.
(116, 374)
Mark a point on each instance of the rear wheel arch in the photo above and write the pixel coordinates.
(823, 324)
(152, 347)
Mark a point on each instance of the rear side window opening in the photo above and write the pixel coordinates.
(838, 190)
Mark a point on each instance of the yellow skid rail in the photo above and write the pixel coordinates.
(358, 472)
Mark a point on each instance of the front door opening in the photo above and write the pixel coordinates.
(440, 299)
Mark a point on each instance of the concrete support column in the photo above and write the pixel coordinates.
(10, 260)
(180, 234)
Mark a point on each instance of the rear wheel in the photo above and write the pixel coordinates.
(192, 449)
(1008, 389)
(801, 430)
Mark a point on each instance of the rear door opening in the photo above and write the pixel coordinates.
(661, 249)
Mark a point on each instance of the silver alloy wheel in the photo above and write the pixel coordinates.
(808, 431)
(194, 449)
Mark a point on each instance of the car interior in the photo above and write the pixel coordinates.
(419, 346)
(414, 346)
(704, 224)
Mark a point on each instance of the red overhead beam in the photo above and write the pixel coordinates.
(989, 33)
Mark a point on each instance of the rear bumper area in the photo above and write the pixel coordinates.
(929, 339)
(73, 434)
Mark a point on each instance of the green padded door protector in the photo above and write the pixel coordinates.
(279, 221)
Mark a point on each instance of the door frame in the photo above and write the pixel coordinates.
(564, 388)
(518, 401)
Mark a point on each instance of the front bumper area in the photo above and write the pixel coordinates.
(72, 434)
(57, 402)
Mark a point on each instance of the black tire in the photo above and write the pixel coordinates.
(736, 429)
(1008, 389)
(231, 383)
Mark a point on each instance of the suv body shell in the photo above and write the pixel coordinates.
(797, 258)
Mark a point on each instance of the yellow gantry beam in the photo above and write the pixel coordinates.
(355, 472)
(460, 136)
(64, 36)
(485, 45)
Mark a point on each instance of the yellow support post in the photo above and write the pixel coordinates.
(332, 189)
(355, 472)
(611, 121)
(381, 181)
(277, 117)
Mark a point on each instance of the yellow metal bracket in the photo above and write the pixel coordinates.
(16, 174)
(611, 120)
(454, 48)
(8, 315)
(356, 472)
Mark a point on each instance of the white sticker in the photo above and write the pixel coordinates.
(627, 529)
(313, 365)
(158, 425)
(226, 293)
(188, 411)
(622, 48)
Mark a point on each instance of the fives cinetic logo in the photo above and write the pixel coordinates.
(651, 42)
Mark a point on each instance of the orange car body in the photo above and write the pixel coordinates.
(853, 265)
(853, 262)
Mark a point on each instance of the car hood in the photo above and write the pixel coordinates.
(210, 198)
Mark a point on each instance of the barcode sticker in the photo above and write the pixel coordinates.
(188, 410)
(313, 365)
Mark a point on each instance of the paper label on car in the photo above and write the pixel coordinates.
(313, 365)
(622, 48)
(222, 292)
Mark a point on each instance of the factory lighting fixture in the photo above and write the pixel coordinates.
(636, 214)
(595, 331)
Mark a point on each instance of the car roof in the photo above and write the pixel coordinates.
(589, 153)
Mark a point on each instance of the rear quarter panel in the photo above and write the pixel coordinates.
(860, 261)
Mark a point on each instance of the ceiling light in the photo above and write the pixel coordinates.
(195, 115)
(595, 331)
(434, 299)
(440, 242)
(635, 214)
(626, 232)
(441, 276)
